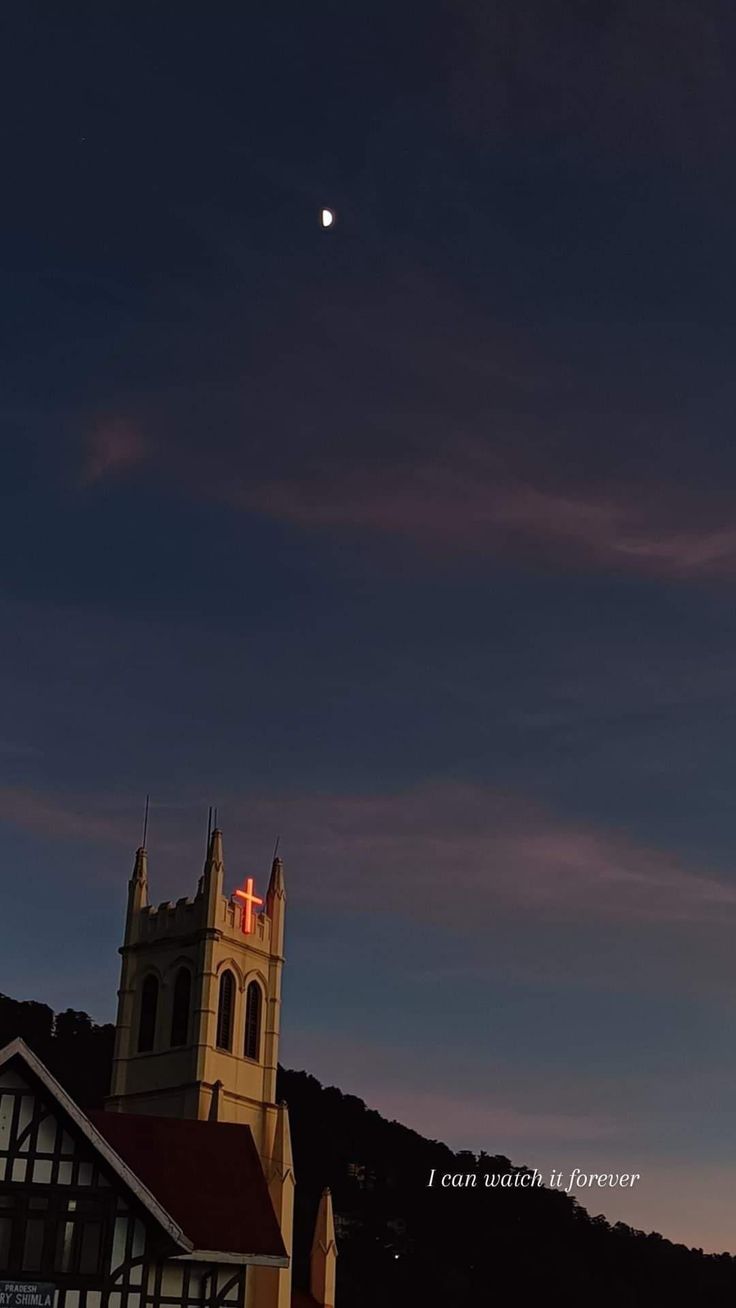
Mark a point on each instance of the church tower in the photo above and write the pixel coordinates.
(197, 1036)
(199, 1003)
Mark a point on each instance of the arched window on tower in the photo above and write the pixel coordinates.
(253, 1006)
(225, 1011)
(180, 1010)
(147, 1022)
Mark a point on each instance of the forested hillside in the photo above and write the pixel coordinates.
(401, 1243)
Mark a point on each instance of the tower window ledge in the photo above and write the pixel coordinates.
(239, 1058)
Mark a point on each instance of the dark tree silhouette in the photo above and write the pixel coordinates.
(402, 1243)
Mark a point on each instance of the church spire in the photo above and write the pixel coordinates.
(282, 1159)
(214, 851)
(279, 1170)
(323, 1259)
(276, 883)
(211, 885)
(276, 904)
(138, 885)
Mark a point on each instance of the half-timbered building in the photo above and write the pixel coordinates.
(180, 1194)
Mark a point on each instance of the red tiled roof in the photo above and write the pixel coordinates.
(207, 1175)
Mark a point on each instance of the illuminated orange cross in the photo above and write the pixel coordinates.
(249, 899)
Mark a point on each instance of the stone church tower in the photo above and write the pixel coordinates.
(199, 1002)
(197, 1032)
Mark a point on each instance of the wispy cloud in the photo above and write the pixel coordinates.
(419, 418)
(461, 505)
(449, 448)
(65, 817)
(428, 853)
(113, 446)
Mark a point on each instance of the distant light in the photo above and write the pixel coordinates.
(328, 218)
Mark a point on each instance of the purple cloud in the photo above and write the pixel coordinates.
(462, 506)
(113, 446)
(404, 850)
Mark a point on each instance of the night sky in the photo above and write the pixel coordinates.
(412, 541)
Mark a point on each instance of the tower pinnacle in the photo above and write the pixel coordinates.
(138, 884)
(323, 1259)
(214, 874)
(276, 882)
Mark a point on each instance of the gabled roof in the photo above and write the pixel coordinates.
(18, 1051)
(208, 1175)
(201, 1182)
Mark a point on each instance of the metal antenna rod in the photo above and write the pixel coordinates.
(145, 822)
(209, 826)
